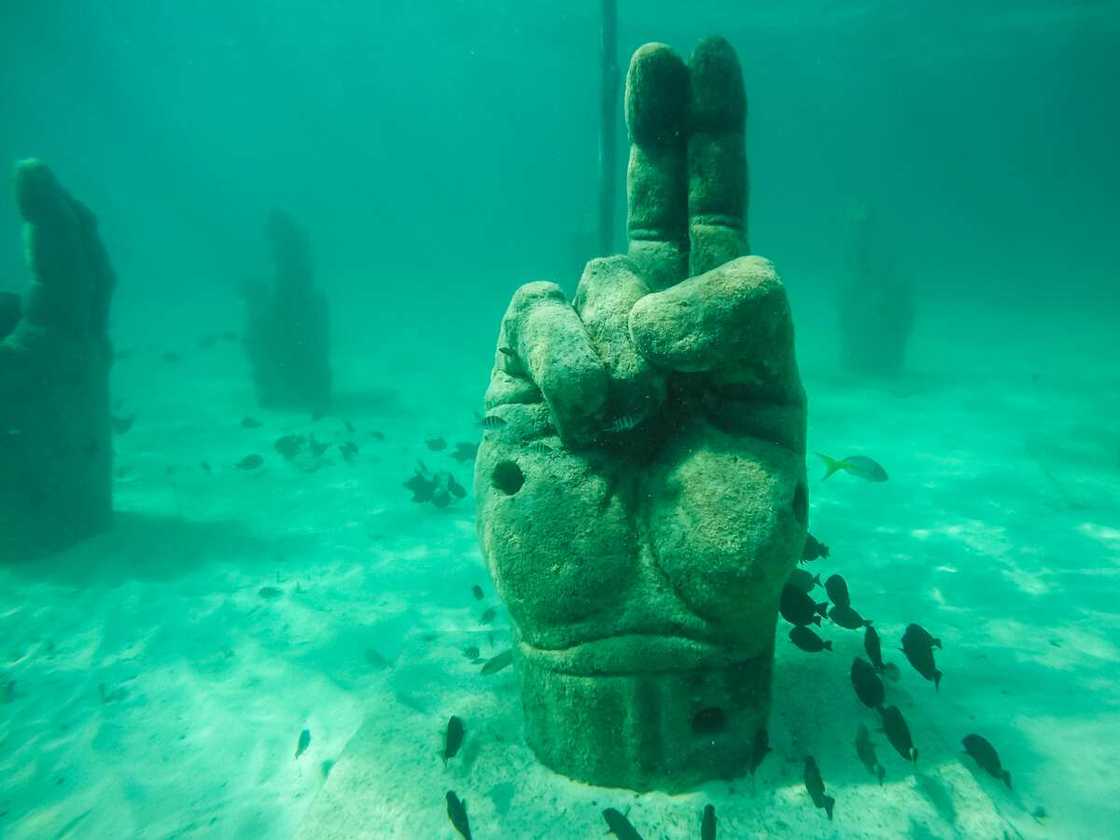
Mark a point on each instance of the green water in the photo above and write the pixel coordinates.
(155, 680)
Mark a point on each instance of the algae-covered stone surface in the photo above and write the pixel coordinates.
(641, 488)
(55, 447)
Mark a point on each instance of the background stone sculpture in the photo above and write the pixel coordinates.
(55, 443)
(287, 329)
(641, 485)
(876, 305)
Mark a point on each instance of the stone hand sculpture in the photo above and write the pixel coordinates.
(641, 483)
(55, 444)
(286, 328)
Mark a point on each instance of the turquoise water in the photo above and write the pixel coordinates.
(155, 679)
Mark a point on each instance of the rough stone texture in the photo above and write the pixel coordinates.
(876, 305)
(55, 444)
(287, 329)
(644, 500)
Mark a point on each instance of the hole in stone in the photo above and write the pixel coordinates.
(508, 477)
(800, 503)
(708, 721)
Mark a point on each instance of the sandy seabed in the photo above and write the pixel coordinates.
(154, 681)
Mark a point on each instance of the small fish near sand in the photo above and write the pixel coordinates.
(250, 423)
(439, 488)
(858, 465)
(865, 749)
(619, 826)
(249, 462)
(917, 645)
(269, 593)
(452, 738)
(808, 641)
(303, 743)
(813, 549)
(873, 646)
(847, 618)
(457, 814)
(477, 592)
(435, 443)
(797, 607)
(815, 785)
(289, 445)
(869, 688)
(837, 589)
(464, 452)
(491, 422)
(898, 733)
(981, 749)
(488, 615)
(803, 580)
(708, 823)
(497, 663)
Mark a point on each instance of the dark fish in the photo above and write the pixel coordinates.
(507, 351)
(170, 357)
(250, 423)
(857, 465)
(269, 593)
(619, 826)
(708, 823)
(122, 424)
(847, 618)
(436, 444)
(206, 468)
(304, 742)
(492, 422)
(249, 462)
(375, 659)
(815, 785)
(457, 813)
(920, 654)
(898, 733)
(803, 580)
(317, 448)
(866, 752)
(452, 738)
(349, 426)
(488, 615)
(869, 688)
(986, 756)
(797, 607)
(8, 693)
(873, 646)
(497, 663)
(476, 590)
(760, 748)
(349, 451)
(837, 589)
(464, 452)
(807, 640)
(421, 484)
(471, 652)
(917, 635)
(377, 435)
(207, 341)
(814, 548)
(289, 445)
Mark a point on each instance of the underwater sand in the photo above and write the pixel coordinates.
(158, 694)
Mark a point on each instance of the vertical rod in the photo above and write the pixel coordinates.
(608, 121)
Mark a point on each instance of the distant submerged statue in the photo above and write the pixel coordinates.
(641, 483)
(876, 302)
(287, 330)
(55, 434)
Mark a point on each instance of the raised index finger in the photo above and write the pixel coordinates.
(717, 157)
(657, 176)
